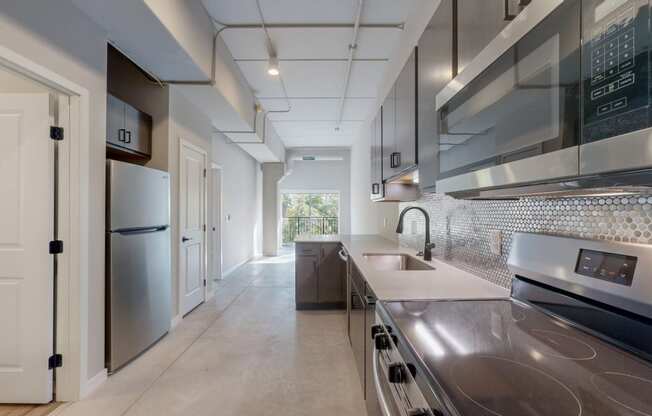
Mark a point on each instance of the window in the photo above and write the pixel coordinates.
(310, 213)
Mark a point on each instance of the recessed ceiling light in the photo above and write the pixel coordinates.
(272, 66)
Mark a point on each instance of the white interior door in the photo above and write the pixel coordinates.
(192, 200)
(26, 267)
(215, 207)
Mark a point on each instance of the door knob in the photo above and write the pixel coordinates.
(184, 239)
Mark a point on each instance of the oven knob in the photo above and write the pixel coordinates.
(375, 330)
(379, 329)
(396, 373)
(412, 368)
(382, 342)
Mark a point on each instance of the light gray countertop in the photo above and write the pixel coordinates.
(446, 282)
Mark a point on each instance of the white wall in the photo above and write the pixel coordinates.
(368, 217)
(241, 200)
(272, 174)
(321, 175)
(58, 36)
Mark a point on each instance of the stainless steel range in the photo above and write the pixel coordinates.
(575, 338)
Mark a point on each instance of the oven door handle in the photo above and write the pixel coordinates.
(384, 407)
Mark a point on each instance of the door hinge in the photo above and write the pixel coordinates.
(55, 361)
(56, 247)
(204, 282)
(56, 133)
(204, 173)
(204, 227)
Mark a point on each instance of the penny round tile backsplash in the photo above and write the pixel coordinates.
(461, 229)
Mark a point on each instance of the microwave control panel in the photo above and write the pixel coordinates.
(616, 64)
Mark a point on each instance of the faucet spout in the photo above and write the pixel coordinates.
(428, 246)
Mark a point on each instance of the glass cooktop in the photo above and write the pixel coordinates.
(503, 357)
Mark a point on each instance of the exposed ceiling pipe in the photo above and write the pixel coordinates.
(272, 52)
(347, 75)
(399, 26)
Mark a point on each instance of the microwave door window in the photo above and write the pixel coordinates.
(516, 108)
(525, 103)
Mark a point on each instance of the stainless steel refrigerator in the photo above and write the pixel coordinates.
(138, 279)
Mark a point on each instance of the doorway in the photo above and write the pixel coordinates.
(31, 117)
(192, 226)
(215, 225)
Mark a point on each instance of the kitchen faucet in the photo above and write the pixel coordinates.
(428, 246)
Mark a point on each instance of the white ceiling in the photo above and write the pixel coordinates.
(313, 62)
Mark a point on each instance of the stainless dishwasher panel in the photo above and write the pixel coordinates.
(357, 322)
(138, 292)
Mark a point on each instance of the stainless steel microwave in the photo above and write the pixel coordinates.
(560, 100)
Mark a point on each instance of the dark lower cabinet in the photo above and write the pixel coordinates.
(307, 274)
(320, 279)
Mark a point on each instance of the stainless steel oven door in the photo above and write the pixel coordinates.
(388, 406)
(512, 116)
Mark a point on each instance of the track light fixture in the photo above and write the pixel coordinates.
(272, 66)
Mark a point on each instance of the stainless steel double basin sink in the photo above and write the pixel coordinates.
(395, 262)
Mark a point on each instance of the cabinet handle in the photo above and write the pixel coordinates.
(121, 135)
(128, 137)
(395, 160)
(508, 16)
(375, 188)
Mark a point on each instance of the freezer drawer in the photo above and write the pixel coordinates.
(137, 196)
(138, 293)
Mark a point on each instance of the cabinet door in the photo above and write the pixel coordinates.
(406, 113)
(479, 22)
(115, 121)
(306, 278)
(131, 125)
(435, 67)
(377, 189)
(331, 286)
(389, 134)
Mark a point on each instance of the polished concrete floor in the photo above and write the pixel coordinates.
(245, 352)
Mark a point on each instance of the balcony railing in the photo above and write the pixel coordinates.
(294, 226)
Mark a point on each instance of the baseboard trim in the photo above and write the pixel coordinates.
(236, 267)
(94, 383)
(175, 321)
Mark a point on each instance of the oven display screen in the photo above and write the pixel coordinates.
(615, 268)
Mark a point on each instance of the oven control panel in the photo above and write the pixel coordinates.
(615, 268)
(615, 55)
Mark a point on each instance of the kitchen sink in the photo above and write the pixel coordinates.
(398, 262)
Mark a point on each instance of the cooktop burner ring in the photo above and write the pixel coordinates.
(635, 379)
(589, 352)
(572, 397)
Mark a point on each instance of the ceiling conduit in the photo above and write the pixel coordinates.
(347, 75)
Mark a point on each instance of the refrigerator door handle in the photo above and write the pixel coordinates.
(143, 230)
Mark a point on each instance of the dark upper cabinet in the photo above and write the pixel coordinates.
(406, 117)
(389, 134)
(399, 137)
(377, 188)
(435, 68)
(479, 22)
(128, 130)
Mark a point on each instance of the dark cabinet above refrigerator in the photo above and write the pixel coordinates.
(128, 130)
